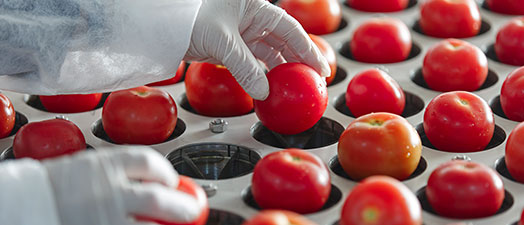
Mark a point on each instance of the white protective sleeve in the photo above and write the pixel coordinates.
(52, 47)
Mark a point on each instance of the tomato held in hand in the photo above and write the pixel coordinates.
(462, 189)
(291, 179)
(459, 121)
(328, 52)
(508, 44)
(512, 97)
(450, 19)
(141, 115)
(48, 139)
(70, 103)
(278, 217)
(455, 65)
(213, 91)
(381, 200)
(379, 144)
(178, 75)
(316, 16)
(381, 40)
(515, 154)
(297, 99)
(378, 5)
(512, 7)
(7, 116)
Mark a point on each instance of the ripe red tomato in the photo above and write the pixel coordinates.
(381, 40)
(378, 5)
(48, 139)
(379, 144)
(514, 153)
(141, 115)
(316, 16)
(7, 116)
(521, 221)
(297, 99)
(291, 179)
(381, 200)
(70, 103)
(278, 217)
(178, 75)
(459, 121)
(328, 52)
(508, 44)
(213, 91)
(462, 189)
(512, 97)
(374, 90)
(450, 19)
(453, 65)
(512, 7)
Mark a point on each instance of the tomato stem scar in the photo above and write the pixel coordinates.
(376, 122)
(370, 215)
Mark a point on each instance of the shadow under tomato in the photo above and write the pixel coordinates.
(220, 217)
(346, 52)
(484, 28)
(418, 78)
(8, 153)
(410, 5)
(34, 101)
(98, 130)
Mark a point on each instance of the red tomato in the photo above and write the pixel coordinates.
(213, 91)
(381, 40)
(48, 139)
(328, 52)
(178, 75)
(453, 65)
(316, 16)
(459, 121)
(521, 221)
(291, 179)
(513, 7)
(515, 154)
(378, 5)
(511, 95)
(278, 217)
(381, 200)
(70, 103)
(141, 115)
(379, 144)
(450, 19)
(297, 99)
(7, 116)
(508, 45)
(374, 90)
(462, 189)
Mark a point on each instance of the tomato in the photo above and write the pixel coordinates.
(379, 144)
(213, 91)
(463, 189)
(508, 44)
(141, 115)
(178, 76)
(297, 99)
(453, 65)
(381, 200)
(515, 154)
(381, 40)
(291, 179)
(278, 217)
(512, 97)
(7, 116)
(378, 5)
(450, 19)
(512, 7)
(316, 16)
(70, 103)
(374, 90)
(48, 139)
(459, 121)
(328, 52)
(521, 221)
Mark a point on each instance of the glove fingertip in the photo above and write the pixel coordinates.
(259, 89)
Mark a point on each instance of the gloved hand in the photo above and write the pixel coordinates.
(235, 33)
(97, 188)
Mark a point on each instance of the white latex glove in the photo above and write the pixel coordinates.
(235, 33)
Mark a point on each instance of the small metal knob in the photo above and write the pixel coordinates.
(218, 126)
(461, 157)
(210, 189)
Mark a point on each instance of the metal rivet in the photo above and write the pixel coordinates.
(218, 126)
(461, 157)
(210, 189)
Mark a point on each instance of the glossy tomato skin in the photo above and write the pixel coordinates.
(381, 40)
(297, 99)
(450, 19)
(142, 115)
(381, 200)
(328, 52)
(178, 76)
(379, 144)
(515, 154)
(453, 65)
(316, 16)
(459, 121)
(374, 90)
(378, 5)
(511, 96)
(48, 139)
(291, 179)
(7, 116)
(521, 221)
(70, 103)
(213, 91)
(463, 189)
(509, 43)
(277, 217)
(512, 7)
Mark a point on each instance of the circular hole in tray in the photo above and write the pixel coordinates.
(424, 202)
(411, 3)
(346, 52)
(325, 132)
(500, 166)
(98, 130)
(484, 28)
(339, 76)
(213, 161)
(220, 217)
(499, 135)
(491, 54)
(8, 153)
(414, 105)
(334, 197)
(496, 107)
(34, 101)
(343, 24)
(335, 166)
(418, 78)
(20, 120)
(486, 7)
(184, 103)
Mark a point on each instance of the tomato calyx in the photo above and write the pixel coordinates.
(463, 102)
(141, 93)
(370, 214)
(376, 122)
